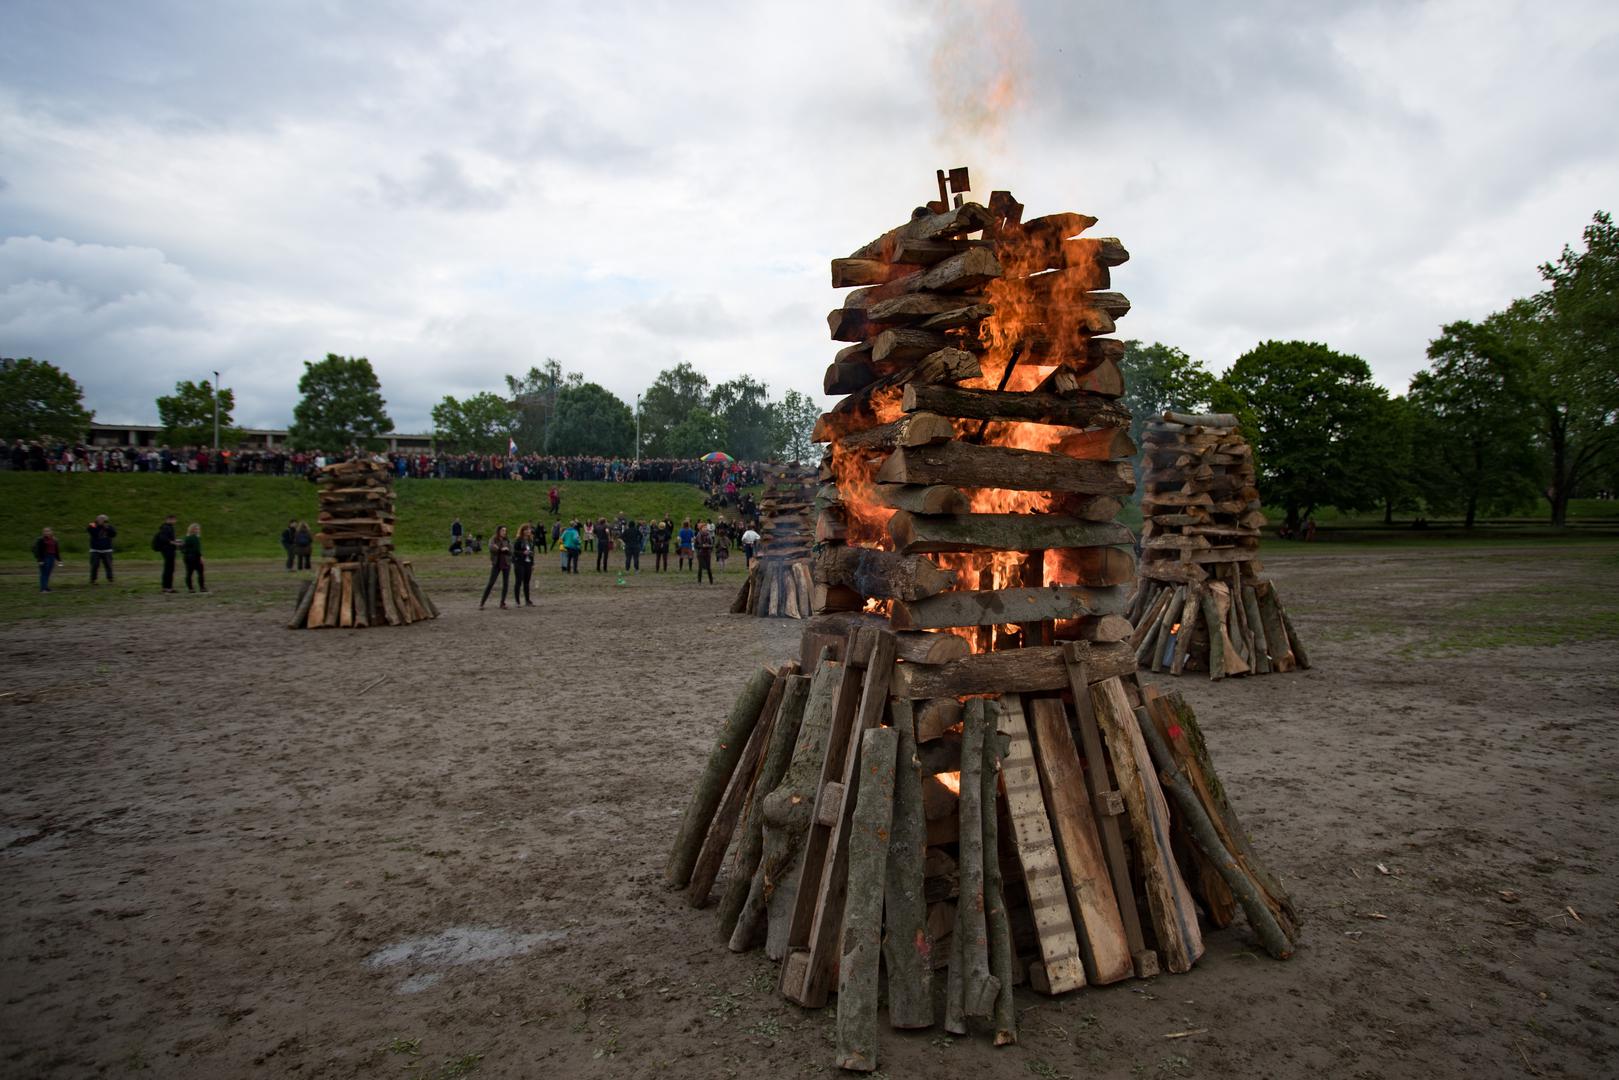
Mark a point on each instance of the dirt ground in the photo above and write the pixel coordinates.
(228, 849)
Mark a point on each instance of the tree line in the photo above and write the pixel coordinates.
(1521, 405)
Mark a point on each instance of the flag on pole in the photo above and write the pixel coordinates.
(511, 446)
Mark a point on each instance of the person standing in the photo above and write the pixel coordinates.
(191, 548)
(102, 534)
(455, 536)
(683, 550)
(604, 543)
(47, 554)
(165, 543)
(722, 545)
(660, 546)
(750, 541)
(705, 553)
(556, 501)
(523, 565)
(289, 542)
(571, 543)
(632, 546)
(500, 565)
(304, 542)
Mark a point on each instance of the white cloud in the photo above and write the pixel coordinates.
(459, 193)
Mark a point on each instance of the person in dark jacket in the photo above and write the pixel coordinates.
(632, 545)
(705, 552)
(47, 554)
(166, 544)
(289, 542)
(660, 544)
(523, 564)
(303, 542)
(500, 565)
(604, 543)
(102, 534)
(191, 547)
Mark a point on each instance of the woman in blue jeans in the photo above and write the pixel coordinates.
(47, 554)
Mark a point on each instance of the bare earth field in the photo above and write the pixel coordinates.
(228, 849)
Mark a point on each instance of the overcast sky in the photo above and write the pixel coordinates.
(459, 191)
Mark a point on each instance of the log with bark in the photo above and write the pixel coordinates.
(965, 464)
(907, 945)
(918, 533)
(861, 950)
(989, 607)
(1013, 671)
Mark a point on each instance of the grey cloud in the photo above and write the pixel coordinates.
(441, 180)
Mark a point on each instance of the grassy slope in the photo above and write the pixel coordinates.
(243, 516)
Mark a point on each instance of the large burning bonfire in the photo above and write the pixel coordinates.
(967, 775)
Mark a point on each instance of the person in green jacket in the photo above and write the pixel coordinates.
(191, 551)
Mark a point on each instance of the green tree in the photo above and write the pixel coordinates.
(1399, 488)
(744, 405)
(1159, 377)
(481, 424)
(341, 406)
(40, 401)
(1570, 332)
(534, 401)
(1472, 436)
(1312, 416)
(667, 404)
(694, 436)
(796, 414)
(592, 420)
(187, 415)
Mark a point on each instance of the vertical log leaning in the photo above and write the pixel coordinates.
(907, 948)
(978, 994)
(1175, 781)
(715, 776)
(1256, 631)
(1174, 917)
(869, 838)
(787, 812)
(1271, 615)
(1293, 637)
(778, 753)
(998, 928)
(712, 855)
(1216, 628)
(1188, 630)
(300, 614)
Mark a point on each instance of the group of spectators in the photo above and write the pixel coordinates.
(102, 532)
(696, 546)
(719, 478)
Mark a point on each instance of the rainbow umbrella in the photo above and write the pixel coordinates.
(717, 455)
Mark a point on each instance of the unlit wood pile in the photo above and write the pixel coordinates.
(778, 582)
(359, 582)
(885, 839)
(1201, 602)
(959, 773)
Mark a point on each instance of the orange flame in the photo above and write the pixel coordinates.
(951, 780)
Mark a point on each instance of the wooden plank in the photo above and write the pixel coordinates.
(1108, 803)
(827, 926)
(907, 946)
(1013, 671)
(989, 607)
(922, 534)
(861, 949)
(1080, 412)
(1095, 910)
(1037, 854)
(970, 465)
(1169, 901)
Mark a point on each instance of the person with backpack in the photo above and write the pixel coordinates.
(705, 552)
(191, 546)
(303, 542)
(631, 538)
(47, 553)
(500, 565)
(571, 544)
(164, 543)
(289, 542)
(102, 534)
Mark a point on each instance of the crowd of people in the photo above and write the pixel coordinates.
(696, 546)
(715, 477)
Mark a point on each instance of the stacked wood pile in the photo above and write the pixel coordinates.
(959, 773)
(884, 838)
(1201, 603)
(359, 582)
(778, 582)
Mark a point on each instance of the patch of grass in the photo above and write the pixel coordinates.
(723, 1004)
(242, 516)
(401, 1045)
(1527, 617)
(464, 1065)
(1047, 1071)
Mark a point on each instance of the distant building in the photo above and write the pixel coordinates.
(252, 438)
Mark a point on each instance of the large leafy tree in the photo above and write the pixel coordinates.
(1312, 415)
(700, 432)
(1570, 332)
(1472, 437)
(749, 416)
(667, 405)
(592, 420)
(1159, 377)
(40, 401)
(187, 415)
(341, 406)
(481, 423)
(1399, 488)
(795, 423)
(534, 401)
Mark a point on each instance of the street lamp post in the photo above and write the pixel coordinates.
(216, 412)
